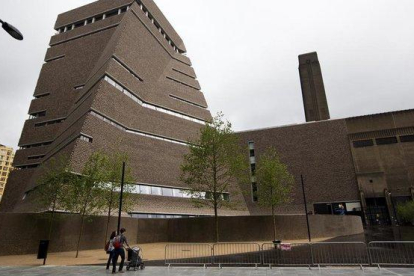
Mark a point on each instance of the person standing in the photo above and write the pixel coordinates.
(118, 243)
(110, 249)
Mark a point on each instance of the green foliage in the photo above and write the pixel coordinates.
(215, 161)
(113, 170)
(406, 211)
(273, 179)
(274, 182)
(93, 191)
(86, 195)
(55, 182)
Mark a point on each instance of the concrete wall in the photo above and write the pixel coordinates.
(21, 233)
(260, 228)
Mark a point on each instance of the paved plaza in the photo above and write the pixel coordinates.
(197, 271)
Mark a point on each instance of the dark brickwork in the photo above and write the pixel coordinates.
(141, 52)
(313, 89)
(319, 151)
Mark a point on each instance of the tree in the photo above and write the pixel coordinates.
(113, 168)
(274, 182)
(86, 195)
(214, 162)
(406, 211)
(53, 185)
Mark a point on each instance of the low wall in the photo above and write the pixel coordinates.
(260, 228)
(21, 233)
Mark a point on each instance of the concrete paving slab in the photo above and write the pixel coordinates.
(196, 271)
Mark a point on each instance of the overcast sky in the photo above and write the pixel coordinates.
(245, 55)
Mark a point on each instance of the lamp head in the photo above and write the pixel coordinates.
(12, 30)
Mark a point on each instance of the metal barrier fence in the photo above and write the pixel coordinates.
(196, 253)
(340, 253)
(289, 254)
(322, 253)
(236, 253)
(391, 253)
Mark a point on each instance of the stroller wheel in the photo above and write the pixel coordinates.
(142, 266)
(127, 268)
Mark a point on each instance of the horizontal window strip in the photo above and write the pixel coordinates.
(51, 122)
(85, 34)
(183, 83)
(41, 95)
(407, 138)
(187, 63)
(35, 157)
(92, 19)
(55, 58)
(185, 74)
(382, 133)
(123, 65)
(186, 101)
(137, 132)
(28, 146)
(30, 166)
(138, 100)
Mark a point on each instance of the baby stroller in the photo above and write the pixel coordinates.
(135, 259)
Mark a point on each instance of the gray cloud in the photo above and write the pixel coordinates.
(245, 55)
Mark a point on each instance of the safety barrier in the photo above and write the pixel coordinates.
(236, 253)
(321, 253)
(391, 252)
(195, 253)
(340, 253)
(297, 254)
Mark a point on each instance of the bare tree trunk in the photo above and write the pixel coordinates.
(109, 218)
(216, 220)
(274, 222)
(80, 235)
(51, 219)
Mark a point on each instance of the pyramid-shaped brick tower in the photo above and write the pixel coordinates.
(115, 78)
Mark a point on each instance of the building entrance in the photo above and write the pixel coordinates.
(377, 211)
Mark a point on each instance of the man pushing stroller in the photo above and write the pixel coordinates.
(118, 244)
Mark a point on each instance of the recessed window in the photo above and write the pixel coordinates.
(386, 140)
(363, 143)
(79, 24)
(145, 190)
(111, 13)
(35, 157)
(407, 138)
(41, 95)
(253, 169)
(156, 191)
(86, 138)
(167, 192)
(254, 191)
(37, 114)
(78, 87)
(98, 17)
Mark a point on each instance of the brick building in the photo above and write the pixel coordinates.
(117, 77)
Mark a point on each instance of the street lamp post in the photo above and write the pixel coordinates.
(120, 197)
(306, 208)
(13, 31)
